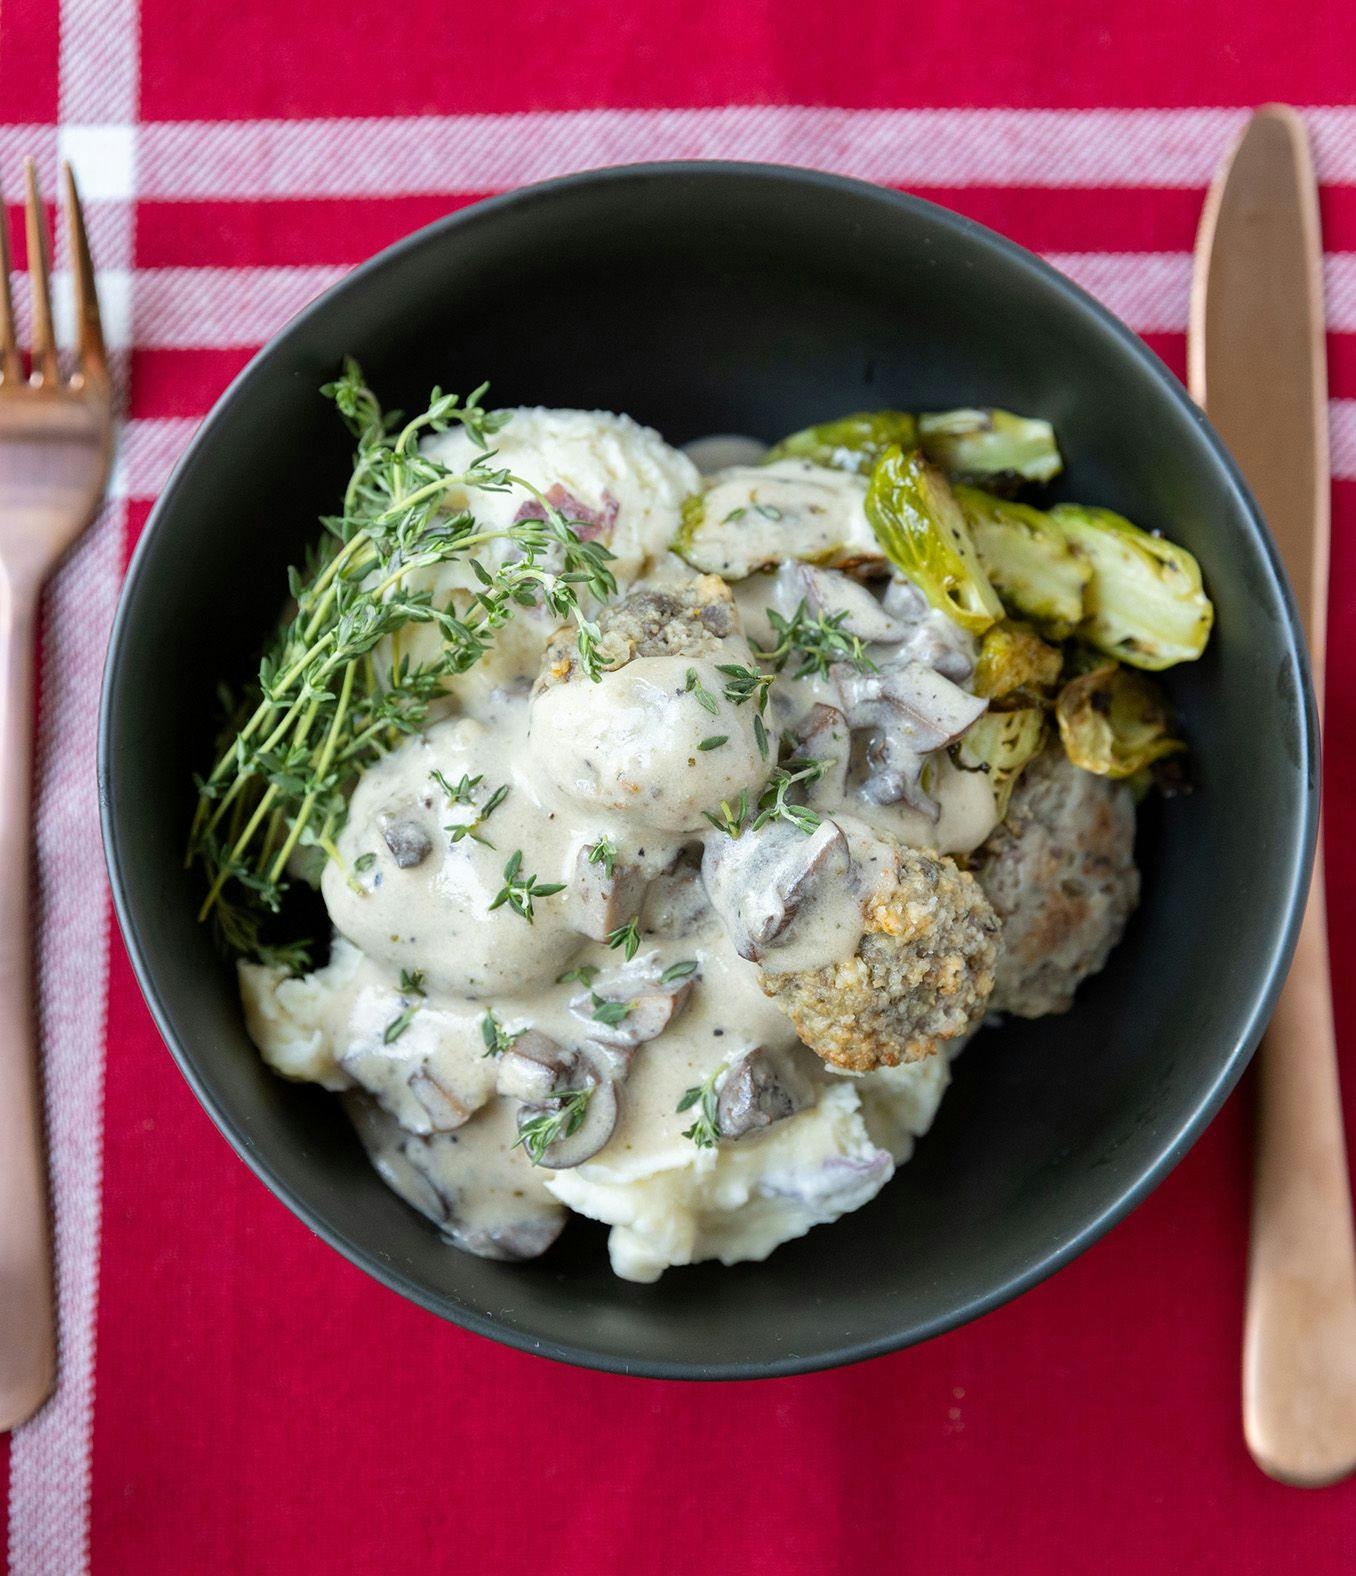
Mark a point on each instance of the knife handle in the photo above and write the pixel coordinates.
(1299, 1349)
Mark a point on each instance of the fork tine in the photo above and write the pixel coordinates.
(39, 277)
(89, 346)
(10, 367)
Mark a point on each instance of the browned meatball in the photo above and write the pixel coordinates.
(921, 975)
(690, 619)
(1061, 875)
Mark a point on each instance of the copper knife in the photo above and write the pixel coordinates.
(1257, 365)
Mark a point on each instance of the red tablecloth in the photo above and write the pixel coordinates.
(235, 1398)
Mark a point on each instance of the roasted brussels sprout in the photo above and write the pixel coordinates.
(1114, 722)
(1000, 744)
(1015, 660)
(852, 443)
(1145, 602)
(922, 529)
(992, 447)
(1032, 564)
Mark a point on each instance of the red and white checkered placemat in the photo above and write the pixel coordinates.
(234, 1397)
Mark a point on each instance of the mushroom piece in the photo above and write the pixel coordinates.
(409, 843)
(912, 711)
(533, 1067)
(829, 594)
(513, 1243)
(764, 1086)
(600, 901)
(651, 1004)
(445, 1111)
(822, 735)
(592, 1072)
(758, 882)
(437, 1176)
(933, 638)
(432, 1078)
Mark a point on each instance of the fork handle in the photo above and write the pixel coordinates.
(27, 1318)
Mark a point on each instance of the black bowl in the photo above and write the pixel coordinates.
(705, 298)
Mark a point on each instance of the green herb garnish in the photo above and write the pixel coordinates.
(609, 1012)
(700, 693)
(625, 936)
(518, 890)
(705, 1129)
(334, 692)
(496, 1037)
(562, 1120)
(730, 818)
(818, 641)
(773, 804)
(604, 853)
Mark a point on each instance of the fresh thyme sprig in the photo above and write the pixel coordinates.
(744, 684)
(464, 793)
(584, 973)
(604, 853)
(730, 818)
(334, 691)
(562, 1119)
(609, 1012)
(626, 936)
(411, 985)
(700, 693)
(773, 804)
(519, 890)
(817, 639)
(497, 1038)
(705, 1129)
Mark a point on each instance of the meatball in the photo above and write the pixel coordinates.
(685, 620)
(1061, 875)
(657, 739)
(920, 976)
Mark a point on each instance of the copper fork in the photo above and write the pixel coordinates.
(56, 443)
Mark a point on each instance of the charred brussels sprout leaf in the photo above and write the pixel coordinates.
(1115, 722)
(1000, 743)
(1145, 602)
(923, 532)
(1014, 660)
(852, 443)
(992, 447)
(1033, 565)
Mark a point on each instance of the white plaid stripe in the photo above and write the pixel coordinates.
(50, 1457)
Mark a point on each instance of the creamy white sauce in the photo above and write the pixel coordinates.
(423, 931)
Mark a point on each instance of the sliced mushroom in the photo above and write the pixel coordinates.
(600, 903)
(822, 735)
(904, 601)
(442, 1177)
(408, 841)
(527, 1238)
(764, 1086)
(432, 1078)
(652, 1004)
(445, 1111)
(933, 639)
(760, 881)
(533, 1067)
(912, 711)
(599, 1121)
(827, 593)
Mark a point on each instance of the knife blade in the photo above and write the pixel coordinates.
(1257, 364)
